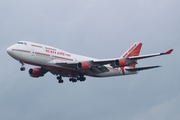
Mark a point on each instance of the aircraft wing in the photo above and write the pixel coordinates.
(104, 61)
(131, 60)
(150, 55)
(67, 64)
(95, 69)
(97, 66)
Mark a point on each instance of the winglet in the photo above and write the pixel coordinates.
(169, 52)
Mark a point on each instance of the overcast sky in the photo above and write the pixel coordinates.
(99, 29)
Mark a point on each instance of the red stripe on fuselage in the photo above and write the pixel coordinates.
(42, 54)
(21, 50)
(62, 58)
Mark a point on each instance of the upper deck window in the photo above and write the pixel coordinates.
(20, 43)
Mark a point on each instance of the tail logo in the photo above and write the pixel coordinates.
(133, 51)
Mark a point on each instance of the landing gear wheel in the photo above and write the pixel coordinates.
(60, 81)
(82, 79)
(22, 68)
(78, 78)
(59, 78)
(72, 80)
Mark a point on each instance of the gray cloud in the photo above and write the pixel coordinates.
(100, 29)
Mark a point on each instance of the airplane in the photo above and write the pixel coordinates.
(65, 64)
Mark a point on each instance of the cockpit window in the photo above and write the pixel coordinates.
(20, 43)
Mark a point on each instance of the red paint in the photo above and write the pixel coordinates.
(42, 54)
(123, 71)
(122, 63)
(35, 72)
(58, 53)
(169, 52)
(132, 48)
(21, 50)
(85, 66)
(134, 51)
(62, 58)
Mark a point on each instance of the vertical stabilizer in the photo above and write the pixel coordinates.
(134, 50)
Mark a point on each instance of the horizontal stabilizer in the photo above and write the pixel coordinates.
(141, 68)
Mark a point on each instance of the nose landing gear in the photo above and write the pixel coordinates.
(22, 68)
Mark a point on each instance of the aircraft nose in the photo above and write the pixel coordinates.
(8, 50)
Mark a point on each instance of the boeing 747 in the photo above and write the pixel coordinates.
(65, 64)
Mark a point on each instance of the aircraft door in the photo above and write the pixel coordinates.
(32, 52)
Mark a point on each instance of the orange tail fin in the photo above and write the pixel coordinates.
(134, 50)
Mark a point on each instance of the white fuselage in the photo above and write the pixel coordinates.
(46, 56)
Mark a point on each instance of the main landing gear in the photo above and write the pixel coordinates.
(81, 78)
(59, 78)
(72, 79)
(22, 68)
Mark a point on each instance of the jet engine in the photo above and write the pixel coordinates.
(120, 63)
(35, 72)
(83, 66)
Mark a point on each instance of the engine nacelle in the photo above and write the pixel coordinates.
(120, 63)
(35, 72)
(83, 66)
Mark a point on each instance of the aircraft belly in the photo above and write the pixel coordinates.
(111, 72)
(115, 72)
